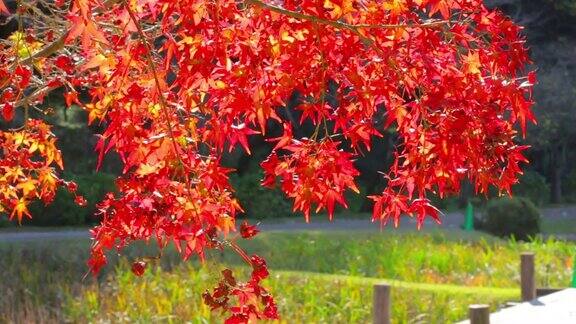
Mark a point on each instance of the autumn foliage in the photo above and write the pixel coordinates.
(178, 83)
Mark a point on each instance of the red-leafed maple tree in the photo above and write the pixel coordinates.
(176, 83)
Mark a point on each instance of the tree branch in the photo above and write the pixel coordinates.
(57, 44)
(340, 24)
(35, 95)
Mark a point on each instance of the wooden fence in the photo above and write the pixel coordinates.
(478, 313)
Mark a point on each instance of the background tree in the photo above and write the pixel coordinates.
(551, 37)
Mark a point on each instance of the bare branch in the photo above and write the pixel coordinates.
(29, 99)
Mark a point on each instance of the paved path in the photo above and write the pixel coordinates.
(557, 308)
(39, 235)
(296, 224)
(340, 223)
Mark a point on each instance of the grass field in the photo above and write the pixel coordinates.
(302, 297)
(317, 277)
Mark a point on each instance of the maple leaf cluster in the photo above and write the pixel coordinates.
(313, 174)
(27, 170)
(176, 84)
(257, 303)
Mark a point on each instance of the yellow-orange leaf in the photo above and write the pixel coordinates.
(20, 210)
(472, 62)
(146, 169)
(27, 186)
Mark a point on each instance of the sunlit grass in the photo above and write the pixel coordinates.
(302, 298)
(429, 258)
(317, 277)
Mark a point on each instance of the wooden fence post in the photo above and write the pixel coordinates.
(381, 304)
(479, 314)
(527, 276)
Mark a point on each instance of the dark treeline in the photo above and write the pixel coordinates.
(550, 27)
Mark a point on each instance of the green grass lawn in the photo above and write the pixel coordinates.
(302, 297)
(454, 257)
(316, 277)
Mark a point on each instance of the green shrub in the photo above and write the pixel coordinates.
(63, 210)
(257, 201)
(517, 217)
(4, 222)
(533, 186)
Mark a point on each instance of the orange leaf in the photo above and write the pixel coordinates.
(20, 209)
(27, 186)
